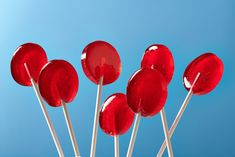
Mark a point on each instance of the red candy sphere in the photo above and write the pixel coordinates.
(115, 116)
(100, 58)
(35, 58)
(58, 82)
(146, 92)
(159, 57)
(211, 70)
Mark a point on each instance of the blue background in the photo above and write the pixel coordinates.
(189, 28)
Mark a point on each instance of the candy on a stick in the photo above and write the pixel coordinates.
(201, 76)
(116, 117)
(211, 70)
(26, 65)
(58, 84)
(31, 55)
(146, 96)
(100, 59)
(159, 57)
(102, 65)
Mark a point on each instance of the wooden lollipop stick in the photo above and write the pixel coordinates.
(133, 135)
(45, 113)
(116, 145)
(96, 118)
(167, 137)
(70, 129)
(178, 117)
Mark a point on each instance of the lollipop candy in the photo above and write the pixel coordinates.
(143, 85)
(102, 65)
(146, 96)
(58, 85)
(116, 117)
(58, 82)
(210, 68)
(159, 57)
(100, 59)
(28, 55)
(200, 77)
(26, 65)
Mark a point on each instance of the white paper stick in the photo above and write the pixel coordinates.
(70, 129)
(45, 113)
(133, 135)
(178, 117)
(167, 137)
(96, 118)
(116, 145)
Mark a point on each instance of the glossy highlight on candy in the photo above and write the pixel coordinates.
(211, 70)
(58, 82)
(34, 56)
(98, 59)
(158, 56)
(115, 115)
(147, 92)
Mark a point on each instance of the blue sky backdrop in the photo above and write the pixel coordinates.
(63, 28)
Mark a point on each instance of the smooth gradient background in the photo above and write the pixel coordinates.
(189, 28)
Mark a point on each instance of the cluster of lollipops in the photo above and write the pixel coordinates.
(56, 82)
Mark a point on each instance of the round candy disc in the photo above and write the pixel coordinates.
(100, 58)
(58, 82)
(35, 58)
(159, 57)
(115, 116)
(147, 92)
(211, 70)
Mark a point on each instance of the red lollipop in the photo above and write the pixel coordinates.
(58, 84)
(102, 65)
(116, 117)
(200, 77)
(211, 70)
(159, 57)
(146, 96)
(101, 59)
(26, 65)
(34, 57)
(143, 86)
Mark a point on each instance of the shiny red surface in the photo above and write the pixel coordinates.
(159, 57)
(100, 58)
(211, 70)
(146, 92)
(58, 81)
(115, 116)
(35, 58)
